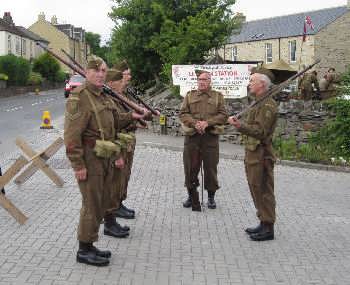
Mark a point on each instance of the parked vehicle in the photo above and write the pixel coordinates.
(75, 81)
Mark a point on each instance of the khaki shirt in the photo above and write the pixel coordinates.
(203, 106)
(258, 128)
(81, 123)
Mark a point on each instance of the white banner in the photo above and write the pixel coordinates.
(229, 79)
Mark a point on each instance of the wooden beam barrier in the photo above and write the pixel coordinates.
(4, 201)
(39, 161)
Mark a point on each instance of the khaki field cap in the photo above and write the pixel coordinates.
(94, 62)
(264, 71)
(113, 75)
(122, 66)
(199, 72)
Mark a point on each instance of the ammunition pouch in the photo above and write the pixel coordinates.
(127, 141)
(217, 130)
(250, 143)
(105, 149)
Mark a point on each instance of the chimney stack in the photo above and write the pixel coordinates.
(54, 20)
(41, 17)
(8, 19)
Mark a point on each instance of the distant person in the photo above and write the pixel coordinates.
(328, 83)
(307, 84)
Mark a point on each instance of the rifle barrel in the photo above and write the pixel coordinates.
(276, 89)
(107, 89)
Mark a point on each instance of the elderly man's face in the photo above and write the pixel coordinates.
(256, 85)
(97, 77)
(204, 82)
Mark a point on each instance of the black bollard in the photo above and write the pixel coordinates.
(3, 189)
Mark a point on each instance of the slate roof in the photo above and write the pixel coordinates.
(31, 35)
(286, 26)
(4, 26)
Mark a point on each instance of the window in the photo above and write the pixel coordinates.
(31, 49)
(268, 52)
(234, 53)
(24, 47)
(18, 46)
(9, 44)
(292, 51)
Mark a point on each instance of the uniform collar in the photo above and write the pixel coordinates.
(208, 92)
(93, 89)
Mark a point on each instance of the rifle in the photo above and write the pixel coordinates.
(106, 88)
(135, 94)
(72, 59)
(276, 89)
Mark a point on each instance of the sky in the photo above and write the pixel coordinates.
(92, 15)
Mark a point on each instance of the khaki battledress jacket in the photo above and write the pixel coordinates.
(257, 132)
(202, 106)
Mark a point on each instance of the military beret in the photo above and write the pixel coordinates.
(200, 71)
(94, 62)
(122, 65)
(113, 75)
(264, 71)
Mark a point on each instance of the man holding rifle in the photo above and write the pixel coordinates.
(257, 131)
(92, 121)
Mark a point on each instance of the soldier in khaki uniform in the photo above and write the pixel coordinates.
(257, 131)
(120, 86)
(91, 123)
(202, 114)
(307, 84)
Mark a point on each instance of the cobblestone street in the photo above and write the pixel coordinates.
(172, 245)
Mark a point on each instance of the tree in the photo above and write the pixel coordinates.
(94, 41)
(153, 35)
(47, 66)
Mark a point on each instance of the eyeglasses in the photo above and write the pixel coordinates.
(203, 79)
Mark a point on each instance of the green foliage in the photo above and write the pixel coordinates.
(334, 137)
(61, 76)
(3, 77)
(16, 68)
(94, 41)
(47, 66)
(35, 78)
(285, 149)
(153, 35)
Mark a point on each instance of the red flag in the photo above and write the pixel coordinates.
(309, 23)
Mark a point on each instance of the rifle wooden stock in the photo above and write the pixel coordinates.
(72, 59)
(106, 89)
(134, 94)
(276, 89)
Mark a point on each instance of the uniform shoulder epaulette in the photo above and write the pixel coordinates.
(76, 91)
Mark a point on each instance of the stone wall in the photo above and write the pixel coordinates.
(296, 119)
(332, 45)
(16, 90)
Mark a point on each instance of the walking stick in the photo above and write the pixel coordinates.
(202, 185)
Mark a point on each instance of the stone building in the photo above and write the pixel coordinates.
(281, 37)
(63, 36)
(18, 40)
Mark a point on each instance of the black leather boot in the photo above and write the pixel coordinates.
(124, 214)
(111, 228)
(88, 254)
(123, 228)
(211, 201)
(127, 209)
(266, 233)
(196, 205)
(254, 230)
(188, 202)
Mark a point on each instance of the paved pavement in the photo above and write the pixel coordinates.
(172, 245)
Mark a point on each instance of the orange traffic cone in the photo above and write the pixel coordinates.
(46, 121)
